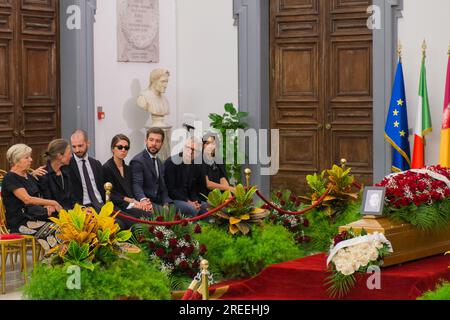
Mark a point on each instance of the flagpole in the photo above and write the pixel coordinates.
(424, 49)
(399, 50)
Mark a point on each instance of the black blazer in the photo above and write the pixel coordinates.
(185, 182)
(121, 185)
(75, 177)
(52, 188)
(145, 181)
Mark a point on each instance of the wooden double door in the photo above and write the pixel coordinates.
(29, 76)
(321, 88)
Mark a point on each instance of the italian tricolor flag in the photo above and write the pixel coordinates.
(423, 122)
(445, 135)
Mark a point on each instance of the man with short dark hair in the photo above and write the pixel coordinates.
(148, 180)
(86, 173)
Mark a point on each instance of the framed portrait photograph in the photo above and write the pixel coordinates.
(373, 201)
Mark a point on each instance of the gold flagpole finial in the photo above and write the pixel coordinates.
(399, 50)
(424, 48)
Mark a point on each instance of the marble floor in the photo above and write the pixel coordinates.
(15, 281)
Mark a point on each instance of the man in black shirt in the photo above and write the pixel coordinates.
(186, 180)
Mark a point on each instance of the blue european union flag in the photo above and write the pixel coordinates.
(396, 131)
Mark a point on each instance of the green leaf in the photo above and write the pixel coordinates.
(123, 235)
(103, 236)
(77, 253)
(230, 108)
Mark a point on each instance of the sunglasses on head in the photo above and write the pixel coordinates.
(119, 147)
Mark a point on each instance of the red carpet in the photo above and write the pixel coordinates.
(303, 279)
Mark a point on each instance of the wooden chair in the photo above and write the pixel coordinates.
(9, 245)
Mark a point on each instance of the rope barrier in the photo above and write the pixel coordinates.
(172, 223)
(282, 211)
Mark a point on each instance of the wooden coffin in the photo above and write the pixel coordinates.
(408, 242)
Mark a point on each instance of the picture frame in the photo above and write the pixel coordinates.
(373, 201)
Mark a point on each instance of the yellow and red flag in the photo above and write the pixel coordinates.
(445, 134)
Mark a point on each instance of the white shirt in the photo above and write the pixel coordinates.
(156, 167)
(156, 162)
(86, 199)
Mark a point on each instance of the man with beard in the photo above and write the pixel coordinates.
(86, 173)
(147, 170)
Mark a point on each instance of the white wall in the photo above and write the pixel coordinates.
(199, 46)
(426, 20)
(207, 57)
(117, 84)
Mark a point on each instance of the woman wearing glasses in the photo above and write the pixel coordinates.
(119, 174)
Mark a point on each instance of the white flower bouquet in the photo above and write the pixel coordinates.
(350, 254)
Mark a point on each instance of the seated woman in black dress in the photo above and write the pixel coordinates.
(56, 185)
(117, 172)
(216, 177)
(26, 211)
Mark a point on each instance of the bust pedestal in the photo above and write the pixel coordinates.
(408, 242)
(164, 153)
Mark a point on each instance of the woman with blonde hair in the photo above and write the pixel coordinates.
(26, 212)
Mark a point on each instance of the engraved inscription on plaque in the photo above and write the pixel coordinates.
(138, 30)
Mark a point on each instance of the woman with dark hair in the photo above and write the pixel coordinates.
(56, 184)
(117, 172)
(216, 176)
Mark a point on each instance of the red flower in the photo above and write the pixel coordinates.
(159, 235)
(188, 250)
(160, 252)
(184, 223)
(177, 217)
(306, 239)
(173, 242)
(151, 229)
(265, 207)
(198, 229)
(187, 237)
(152, 245)
(283, 203)
(184, 265)
(293, 198)
(196, 264)
(279, 195)
(160, 218)
(306, 222)
(202, 249)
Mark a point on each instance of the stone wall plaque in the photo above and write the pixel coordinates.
(138, 30)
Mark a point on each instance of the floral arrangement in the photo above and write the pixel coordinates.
(241, 213)
(341, 185)
(175, 245)
(411, 187)
(87, 237)
(350, 254)
(419, 197)
(294, 223)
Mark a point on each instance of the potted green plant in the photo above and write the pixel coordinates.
(241, 212)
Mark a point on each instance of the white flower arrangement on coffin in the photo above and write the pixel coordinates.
(351, 253)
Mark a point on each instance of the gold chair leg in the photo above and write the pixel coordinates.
(33, 251)
(24, 260)
(3, 268)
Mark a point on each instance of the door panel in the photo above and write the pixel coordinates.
(321, 88)
(29, 76)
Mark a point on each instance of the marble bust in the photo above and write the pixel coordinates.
(153, 100)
